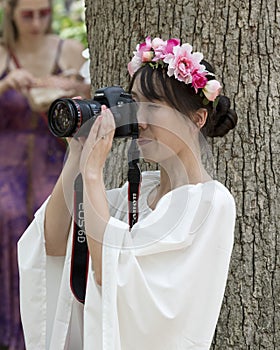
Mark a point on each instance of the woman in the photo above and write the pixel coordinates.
(160, 284)
(34, 67)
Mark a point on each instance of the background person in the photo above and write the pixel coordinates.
(35, 67)
(159, 285)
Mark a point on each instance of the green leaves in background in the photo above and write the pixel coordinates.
(67, 24)
(70, 24)
(1, 16)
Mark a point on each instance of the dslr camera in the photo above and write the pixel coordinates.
(73, 117)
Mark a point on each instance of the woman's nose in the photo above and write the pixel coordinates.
(142, 126)
(142, 117)
(36, 21)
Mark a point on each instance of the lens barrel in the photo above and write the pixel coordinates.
(74, 117)
(66, 115)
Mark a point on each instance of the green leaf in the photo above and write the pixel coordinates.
(205, 101)
(70, 25)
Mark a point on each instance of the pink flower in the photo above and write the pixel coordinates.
(183, 62)
(159, 47)
(170, 45)
(212, 89)
(199, 79)
(180, 62)
(146, 46)
(134, 64)
(142, 54)
(158, 44)
(162, 48)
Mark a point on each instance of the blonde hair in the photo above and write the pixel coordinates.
(9, 29)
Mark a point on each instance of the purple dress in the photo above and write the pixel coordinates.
(31, 159)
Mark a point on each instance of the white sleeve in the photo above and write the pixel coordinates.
(167, 276)
(45, 295)
(32, 273)
(40, 289)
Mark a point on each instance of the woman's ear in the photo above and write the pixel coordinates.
(200, 117)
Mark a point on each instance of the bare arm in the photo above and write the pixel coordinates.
(58, 214)
(96, 207)
(96, 218)
(72, 60)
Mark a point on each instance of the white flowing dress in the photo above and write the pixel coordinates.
(163, 281)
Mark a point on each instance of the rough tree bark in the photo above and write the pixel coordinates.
(241, 39)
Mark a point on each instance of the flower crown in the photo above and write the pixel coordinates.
(180, 62)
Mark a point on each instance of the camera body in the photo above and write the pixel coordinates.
(73, 117)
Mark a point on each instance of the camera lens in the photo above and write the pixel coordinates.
(63, 118)
(74, 117)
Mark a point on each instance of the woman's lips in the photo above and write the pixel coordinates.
(141, 141)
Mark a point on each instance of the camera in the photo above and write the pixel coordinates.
(73, 117)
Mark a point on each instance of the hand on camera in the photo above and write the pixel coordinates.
(97, 145)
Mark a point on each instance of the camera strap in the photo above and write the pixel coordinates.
(134, 180)
(80, 254)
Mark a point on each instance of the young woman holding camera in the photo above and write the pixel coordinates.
(159, 284)
(36, 66)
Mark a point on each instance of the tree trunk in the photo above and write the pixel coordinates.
(241, 39)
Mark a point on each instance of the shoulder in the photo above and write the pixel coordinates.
(70, 55)
(68, 45)
(219, 211)
(71, 52)
(72, 45)
(222, 195)
(216, 196)
(211, 200)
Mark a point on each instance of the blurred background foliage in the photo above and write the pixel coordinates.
(1, 12)
(68, 19)
(68, 22)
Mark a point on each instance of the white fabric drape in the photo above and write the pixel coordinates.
(163, 281)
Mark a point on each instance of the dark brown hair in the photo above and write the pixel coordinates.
(155, 84)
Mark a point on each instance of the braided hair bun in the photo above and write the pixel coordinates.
(222, 120)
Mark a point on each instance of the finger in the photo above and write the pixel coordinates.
(94, 132)
(108, 122)
(103, 127)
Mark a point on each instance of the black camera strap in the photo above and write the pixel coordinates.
(80, 254)
(134, 180)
